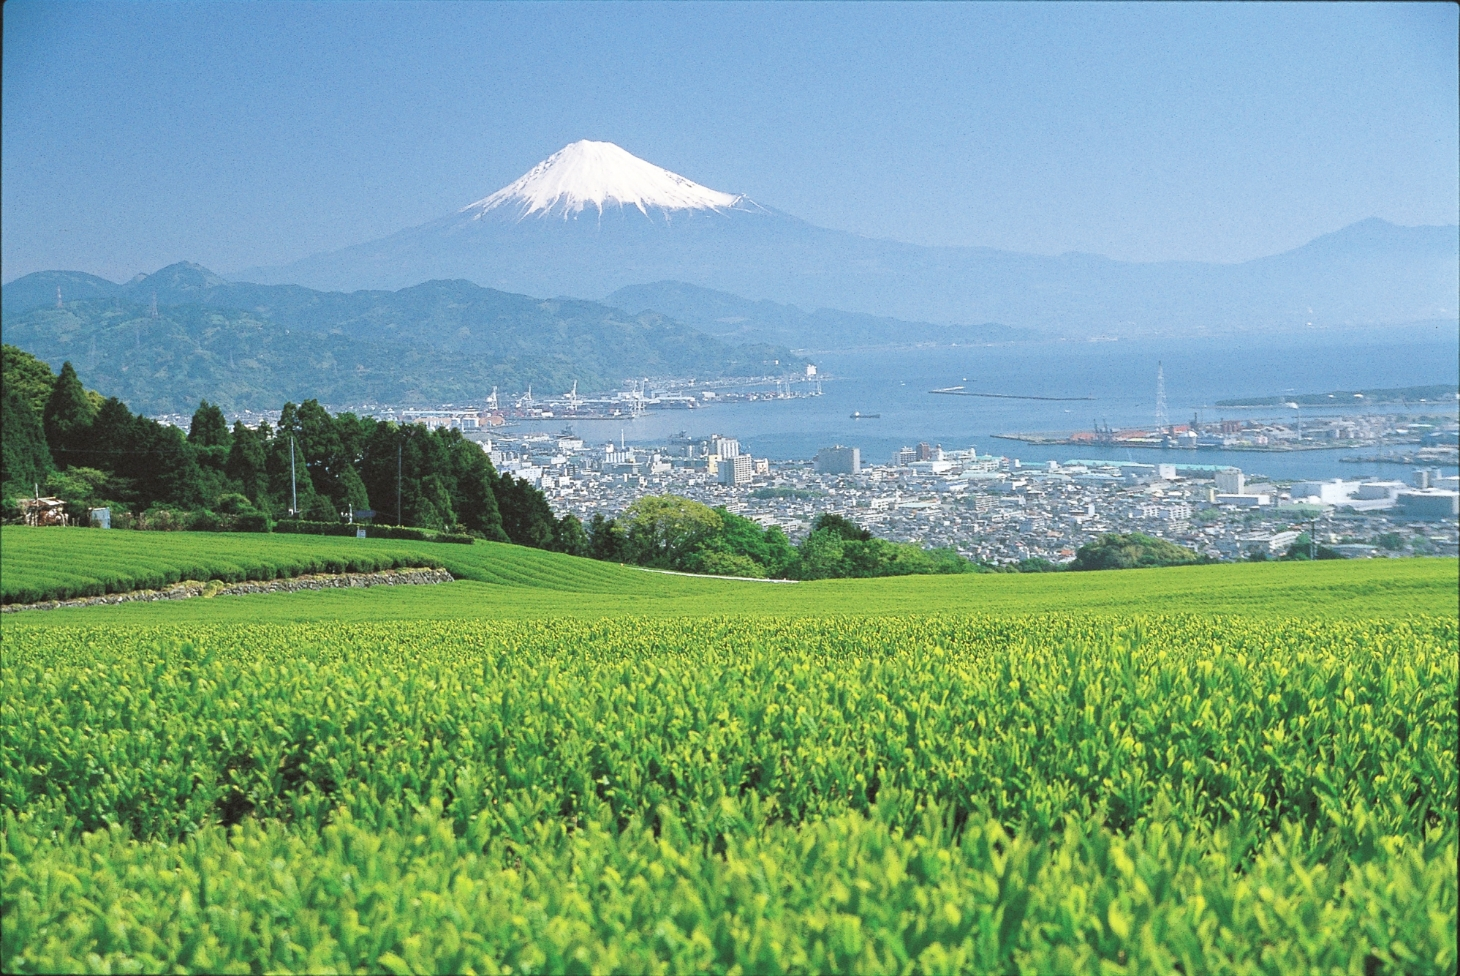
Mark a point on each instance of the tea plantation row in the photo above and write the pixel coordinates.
(520, 582)
(764, 793)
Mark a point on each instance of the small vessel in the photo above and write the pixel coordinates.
(859, 415)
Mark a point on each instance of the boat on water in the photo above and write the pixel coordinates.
(859, 415)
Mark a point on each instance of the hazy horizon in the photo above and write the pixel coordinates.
(256, 135)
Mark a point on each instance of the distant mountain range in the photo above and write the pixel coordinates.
(698, 282)
(592, 220)
(246, 346)
(737, 319)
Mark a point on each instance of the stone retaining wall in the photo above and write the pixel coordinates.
(192, 588)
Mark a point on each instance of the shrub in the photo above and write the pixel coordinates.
(714, 562)
(1133, 551)
(303, 527)
(163, 518)
(204, 521)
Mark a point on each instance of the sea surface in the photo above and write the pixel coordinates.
(1120, 375)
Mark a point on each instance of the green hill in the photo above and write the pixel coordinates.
(560, 765)
(246, 346)
(586, 768)
(500, 580)
(734, 318)
(1434, 393)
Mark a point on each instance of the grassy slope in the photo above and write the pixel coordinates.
(825, 889)
(509, 581)
(67, 563)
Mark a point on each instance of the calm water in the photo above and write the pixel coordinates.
(1120, 375)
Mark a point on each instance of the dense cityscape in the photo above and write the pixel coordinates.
(996, 509)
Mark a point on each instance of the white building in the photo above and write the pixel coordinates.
(724, 447)
(1244, 501)
(1326, 492)
(735, 470)
(839, 460)
(1230, 481)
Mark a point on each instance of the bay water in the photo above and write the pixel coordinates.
(1120, 376)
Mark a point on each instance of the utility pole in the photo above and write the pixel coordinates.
(398, 448)
(293, 482)
(1313, 539)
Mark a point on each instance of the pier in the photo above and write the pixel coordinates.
(960, 391)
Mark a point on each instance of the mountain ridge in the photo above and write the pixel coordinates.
(248, 346)
(642, 224)
(1369, 273)
(734, 318)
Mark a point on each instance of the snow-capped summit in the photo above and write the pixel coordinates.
(598, 174)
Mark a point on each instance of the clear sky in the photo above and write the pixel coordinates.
(234, 134)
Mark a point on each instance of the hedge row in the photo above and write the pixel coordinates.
(301, 527)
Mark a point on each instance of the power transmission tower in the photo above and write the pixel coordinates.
(59, 303)
(153, 311)
(1162, 421)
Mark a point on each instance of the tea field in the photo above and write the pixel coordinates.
(1221, 768)
(500, 580)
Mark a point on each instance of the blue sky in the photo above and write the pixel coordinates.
(136, 134)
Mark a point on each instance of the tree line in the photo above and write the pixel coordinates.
(64, 440)
(670, 532)
(675, 533)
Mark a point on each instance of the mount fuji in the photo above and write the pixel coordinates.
(592, 219)
(596, 174)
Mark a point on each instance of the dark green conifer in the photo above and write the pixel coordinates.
(570, 537)
(25, 460)
(68, 416)
(526, 517)
(245, 467)
(209, 428)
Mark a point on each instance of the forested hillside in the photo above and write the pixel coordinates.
(246, 346)
(737, 319)
(96, 453)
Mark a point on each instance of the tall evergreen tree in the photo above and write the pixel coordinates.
(526, 517)
(473, 484)
(28, 376)
(570, 537)
(209, 438)
(67, 418)
(320, 442)
(407, 471)
(25, 460)
(245, 467)
(353, 489)
(607, 540)
(209, 428)
(168, 470)
(111, 445)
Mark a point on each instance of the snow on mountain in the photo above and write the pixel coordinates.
(598, 174)
(643, 224)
